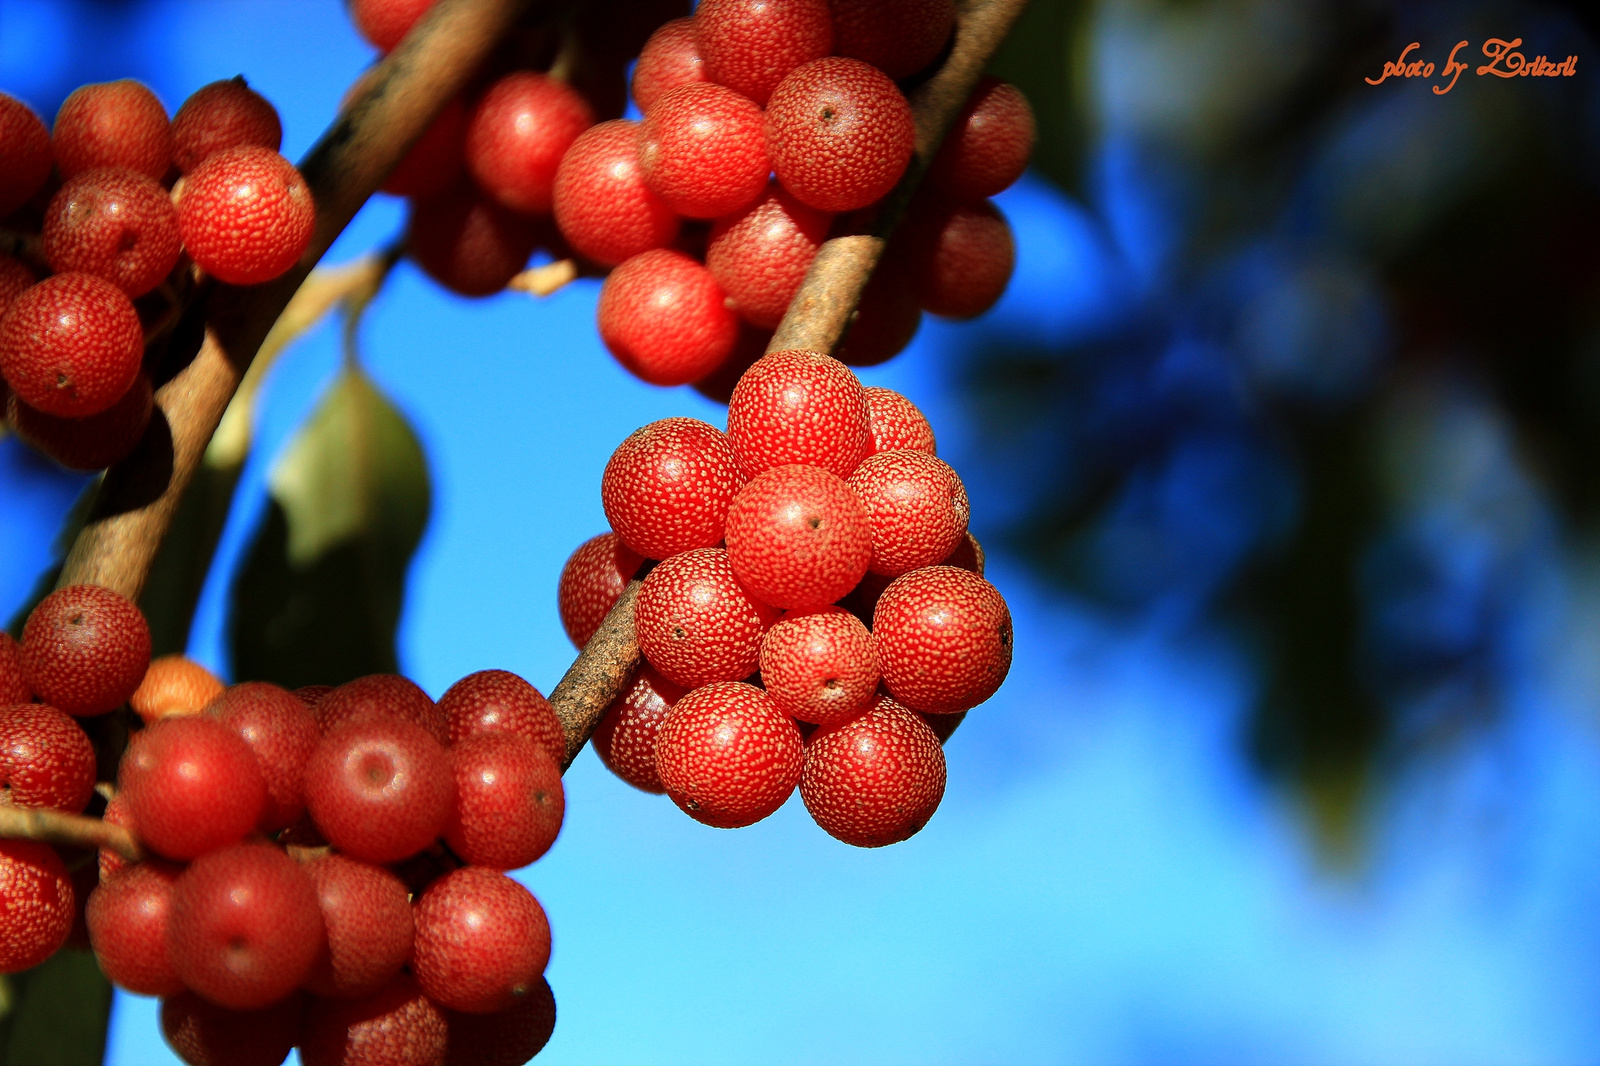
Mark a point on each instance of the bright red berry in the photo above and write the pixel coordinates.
(696, 623)
(110, 862)
(895, 422)
(671, 58)
(192, 786)
(592, 579)
(112, 124)
(13, 689)
(886, 319)
(751, 45)
(311, 695)
(798, 537)
(498, 701)
(602, 204)
(385, 23)
(667, 487)
(876, 779)
(798, 407)
(379, 789)
(436, 161)
(839, 133)
(46, 760)
(128, 917)
(220, 116)
(482, 941)
(703, 149)
(665, 318)
(988, 147)
(246, 215)
(899, 37)
(366, 911)
(281, 734)
(25, 144)
(760, 255)
(916, 507)
(36, 901)
(92, 443)
(965, 255)
(468, 243)
(517, 135)
(85, 649)
(820, 665)
(507, 1038)
(944, 639)
(509, 801)
(204, 1034)
(626, 737)
(727, 756)
(395, 1026)
(71, 345)
(381, 696)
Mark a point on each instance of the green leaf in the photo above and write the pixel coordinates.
(56, 1013)
(318, 598)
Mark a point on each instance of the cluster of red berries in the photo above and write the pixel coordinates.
(326, 866)
(816, 615)
(108, 207)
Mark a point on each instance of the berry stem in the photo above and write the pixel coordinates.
(602, 671)
(71, 830)
(545, 280)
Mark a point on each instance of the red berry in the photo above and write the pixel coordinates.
(116, 813)
(246, 215)
(509, 801)
(13, 689)
(71, 345)
(671, 58)
(988, 147)
(435, 162)
(92, 443)
(876, 779)
(281, 734)
(245, 928)
(751, 45)
(507, 1038)
(112, 124)
(839, 133)
(751, 345)
(128, 917)
(968, 555)
(220, 116)
(498, 701)
(916, 507)
(899, 37)
(666, 489)
(602, 204)
(15, 279)
(944, 639)
(468, 243)
(727, 756)
(665, 318)
(311, 695)
(517, 135)
(895, 422)
(36, 902)
(192, 786)
(482, 941)
(116, 225)
(760, 255)
(626, 737)
(965, 255)
(379, 789)
(395, 1026)
(85, 649)
(25, 144)
(592, 579)
(45, 759)
(798, 537)
(381, 696)
(886, 319)
(366, 911)
(385, 23)
(820, 665)
(798, 407)
(696, 623)
(702, 148)
(204, 1034)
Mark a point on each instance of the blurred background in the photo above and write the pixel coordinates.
(1284, 448)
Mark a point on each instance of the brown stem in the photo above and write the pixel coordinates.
(602, 671)
(70, 830)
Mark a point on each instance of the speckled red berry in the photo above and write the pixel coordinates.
(965, 256)
(128, 917)
(281, 733)
(507, 1038)
(703, 149)
(667, 487)
(517, 135)
(246, 215)
(223, 115)
(876, 779)
(36, 904)
(899, 37)
(385, 23)
(71, 345)
(944, 639)
(798, 537)
(85, 649)
(916, 507)
(626, 737)
(895, 422)
(116, 813)
(437, 160)
(602, 204)
(86, 444)
(696, 623)
(592, 579)
(498, 701)
(112, 124)
(760, 255)
(798, 407)
(204, 1034)
(381, 696)
(395, 1026)
(192, 786)
(13, 689)
(509, 801)
(988, 147)
(671, 57)
(727, 756)
(366, 911)
(482, 941)
(751, 45)
(665, 318)
(16, 278)
(379, 789)
(839, 134)
(25, 144)
(467, 242)
(820, 665)
(46, 760)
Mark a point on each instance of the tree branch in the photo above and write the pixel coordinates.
(70, 830)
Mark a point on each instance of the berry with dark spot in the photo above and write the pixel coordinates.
(379, 789)
(696, 623)
(839, 133)
(798, 536)
(944, 639)
(509, 801)
(86, 444)
(85, 649)
(115, 224)
(482, 941)
(71, 345)
(876, 779)
(727, 756)
(667, 487)
(820, 665)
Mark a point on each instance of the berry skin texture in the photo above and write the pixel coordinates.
(665, 318)
(895, 422)
(988, 147)
(899, 37)
(671, 57)
(220, 116)
(839, 133)
(798, 407)
(916, 508)
(204, 1034)
(760, 255)
(85, 649)
(381, 696)
(173, 685)
(281, 734)
(36, 904)
(876, 779)
(798, 537)
(193, 786)
(696, 623)
(12, 688)
(944, 639)
(87, 444)
(366, 911)
(116, 813)
(437, 160)
(116, 225)
(468, 243)
(703, 149)
(509, 801)
(395, 1026)
(751, 45)
(112, 124)
(385, 23)
(592, 579)
(482, 941)
(626, 737)
(517, 135)
(498, 701)
(508, 1038)
(667, 487)
(820, 665)
(71, 345)
(968, 555)
(15, 279)
(379, 789)
(246, 215)
(602, 205)
(128, 917)
(966, 256)
(46, 760)
(727, 756)
(26, 146)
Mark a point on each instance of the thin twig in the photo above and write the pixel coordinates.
(544, 280)
(69, 830)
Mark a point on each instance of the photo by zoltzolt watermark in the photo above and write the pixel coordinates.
(1503, 63)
